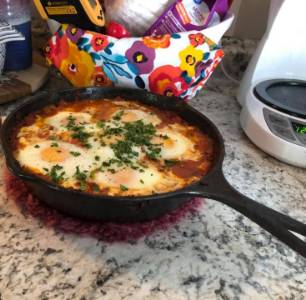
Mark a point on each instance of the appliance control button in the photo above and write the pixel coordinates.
(284, 133)
(278, 121)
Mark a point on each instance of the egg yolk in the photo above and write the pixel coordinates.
(124, 176)
(167, 143)
(54, 154)
(129, 116)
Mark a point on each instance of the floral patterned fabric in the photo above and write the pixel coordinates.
(171, 65)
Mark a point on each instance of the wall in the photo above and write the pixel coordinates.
(251, 18)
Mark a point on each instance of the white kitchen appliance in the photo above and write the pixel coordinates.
(273, 89)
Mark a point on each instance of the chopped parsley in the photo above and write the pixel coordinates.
(71, 122)
(93, 173)
(101, 124)
(124, 151)
(81, 177)
(134, 134)
(79, 132)
(97, 158)
(52, 137)
(82, 136)
(170, 162)
(95, 188)
(54, 144)
(123, 188)
(110, 131)
(164, 136)
(141, 181)
(153, 152)
(75, 154)
(56, 173)
(139, 133)
(118, 115)
(107, 164)
(36, 146)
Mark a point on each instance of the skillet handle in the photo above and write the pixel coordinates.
(216, 187)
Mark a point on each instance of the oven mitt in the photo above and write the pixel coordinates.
(172, 65)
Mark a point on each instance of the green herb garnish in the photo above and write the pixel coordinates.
(118, 115)
(153, 152)
(93, 173)
(82, 136)
(75, 154)
(123, 188)
(95, 188)
(107, 164)
(81, 177)
(36, 146)
(164, 136)
(56, 174)
(52, 137)
(54, 144)
(110, 131)
(170, 162)
(123, 150)
(139, 133)
(132, 134)
(71, 122)
(101, 124)
(79, 132)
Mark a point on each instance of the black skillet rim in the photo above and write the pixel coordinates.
(260, 91)
(18, 171)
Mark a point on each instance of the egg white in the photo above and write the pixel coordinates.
(174, 146)
(59, 120)
(31, 158)
(28, 135)
(100, 154)
(133, 115)
(129, 178)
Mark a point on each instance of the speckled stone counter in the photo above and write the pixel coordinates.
(214, 254)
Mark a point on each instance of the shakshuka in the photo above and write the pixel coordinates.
(112, 147)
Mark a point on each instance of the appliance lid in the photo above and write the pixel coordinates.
(288, 96)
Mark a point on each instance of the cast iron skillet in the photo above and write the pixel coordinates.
(121, 209)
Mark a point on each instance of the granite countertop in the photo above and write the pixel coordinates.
(213, 254)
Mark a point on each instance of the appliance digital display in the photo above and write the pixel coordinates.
(299, 128)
